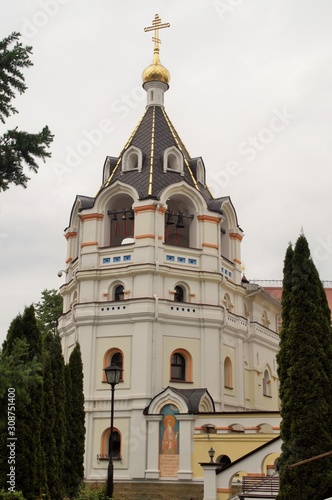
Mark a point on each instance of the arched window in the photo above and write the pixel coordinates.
(179, 295)
(132, 159)
(106, 445)
(227, 302)
(223, 460)
(228, 375)
(178, 367)
(181, 366)
(119, 293)
(116, 447)
(173, 160)
(266, 384)
(265, 319)
(113, 357)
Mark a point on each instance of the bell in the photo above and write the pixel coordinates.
(114, 217)
(124, 217)
(180, 223)
(169, 220)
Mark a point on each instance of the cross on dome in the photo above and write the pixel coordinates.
(156, 72)
(156, 26)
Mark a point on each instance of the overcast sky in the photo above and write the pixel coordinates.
(250, 92)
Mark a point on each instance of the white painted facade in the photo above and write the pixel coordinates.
(218, 319)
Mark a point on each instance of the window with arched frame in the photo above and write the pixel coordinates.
(266, 384)
(180, 222)
(106, 444)
(114, 356)
(119, 226)
(179, 295)
(181, 366)
(118, 293)
(228, 373)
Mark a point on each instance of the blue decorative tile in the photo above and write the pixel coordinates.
(116, 259)
(106, 260)
(181, 259)
(170, 257)
(126, 258)
(192, 261)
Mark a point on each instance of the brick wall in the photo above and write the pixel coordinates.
(157, 491)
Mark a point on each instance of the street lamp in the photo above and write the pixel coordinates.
(211, 455)
(113, 376)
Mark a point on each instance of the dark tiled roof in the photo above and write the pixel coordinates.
(153, 135)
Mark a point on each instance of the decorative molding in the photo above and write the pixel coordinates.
(142, 236)
(236, 236)
(210, 245)
(69, 260)
(94, 216)
(208, 218)
(89, 244)
(237, 261)
(71, 234)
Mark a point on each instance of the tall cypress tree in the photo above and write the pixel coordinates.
(48, 424)
(305, 379)
(76, 423)
(30, 461)
(67, 471)
(58, 378)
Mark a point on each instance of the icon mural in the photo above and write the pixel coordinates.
(169, 442)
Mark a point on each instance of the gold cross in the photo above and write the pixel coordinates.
(156, 26)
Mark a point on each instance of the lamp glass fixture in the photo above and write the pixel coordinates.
(113, 374)
(211, 454)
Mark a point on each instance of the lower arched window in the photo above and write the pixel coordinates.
(108, 448)
(113, 357)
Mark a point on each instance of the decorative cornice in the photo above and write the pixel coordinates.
(210, 245)
(236, 236)
(142, 236)
(208, 218)
(94, 216)
(71, 234)
(89, 243)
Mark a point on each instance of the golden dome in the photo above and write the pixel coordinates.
(156, 72)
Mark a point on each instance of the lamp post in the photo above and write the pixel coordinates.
(211, 455)
(113, 376)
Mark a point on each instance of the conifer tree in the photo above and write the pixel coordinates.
(67, 471)
(48, 431)
(17, 148)
(48, 310)
(305, 379)
(76, 423)
(30, 461)
(58, 378)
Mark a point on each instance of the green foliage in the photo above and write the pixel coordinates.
(305, 371)
(50, 410)
(76, 422)
(48, 311)
(92, 492)
(8, 495)
(17, 148)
